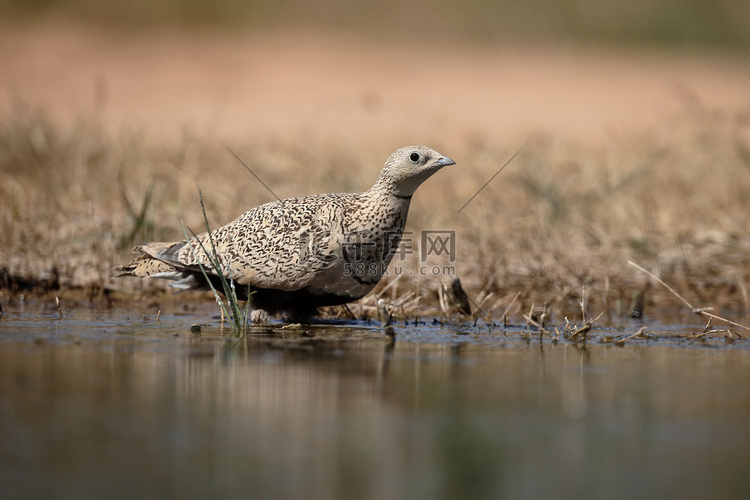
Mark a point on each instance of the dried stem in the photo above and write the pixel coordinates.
(700, 311)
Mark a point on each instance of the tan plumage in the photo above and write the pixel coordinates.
(301, 253)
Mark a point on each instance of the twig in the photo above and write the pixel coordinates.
(533, 322)
(729, 335)
(702, 312)
(585, 328)
(540, 323)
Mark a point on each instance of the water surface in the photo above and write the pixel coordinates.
(112, 404)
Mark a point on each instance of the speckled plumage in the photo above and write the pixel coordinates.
(301, 253)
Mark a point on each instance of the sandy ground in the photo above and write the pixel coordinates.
(375, 93)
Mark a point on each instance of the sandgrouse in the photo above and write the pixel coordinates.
(294, 255)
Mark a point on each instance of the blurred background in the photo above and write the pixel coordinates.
(384, 72)
(114, 114)
(683, 24)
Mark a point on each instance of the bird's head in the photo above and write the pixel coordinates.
(409, 167)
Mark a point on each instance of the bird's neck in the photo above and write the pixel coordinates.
(384, 195)
(385, 205)
(403, 189)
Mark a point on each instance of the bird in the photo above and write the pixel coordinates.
(292, 256)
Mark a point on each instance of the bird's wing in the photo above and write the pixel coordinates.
(281, 245)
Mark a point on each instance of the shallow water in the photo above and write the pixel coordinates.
(112, 404)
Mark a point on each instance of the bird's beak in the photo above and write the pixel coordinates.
(445, 161)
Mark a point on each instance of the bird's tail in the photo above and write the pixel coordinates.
(145, 265)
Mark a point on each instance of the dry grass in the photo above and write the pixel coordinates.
(560, 220)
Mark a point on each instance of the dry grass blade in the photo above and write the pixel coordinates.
(540, 321)
(684, 301)
(637, 335)
(530, 321)
(491, 178)
(700, 311)
(253, 173)
(507, 309)
(387, 287)
(238, 316)
(476, 306)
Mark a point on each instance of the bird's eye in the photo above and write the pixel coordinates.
(415, 157)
